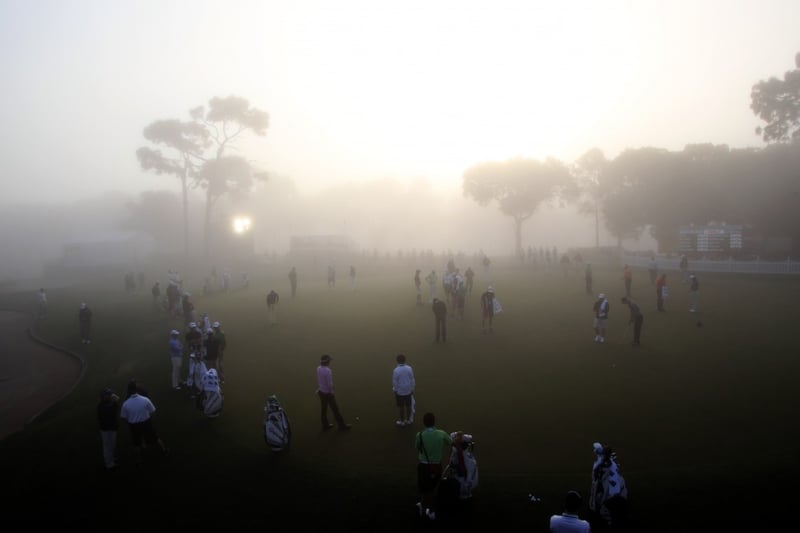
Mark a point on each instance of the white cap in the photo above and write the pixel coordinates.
(602, 295)
(209, 330)
(215, 324)
(490, 289)
(174, 332)
(192, 324)
(598, 448)
(83, 305)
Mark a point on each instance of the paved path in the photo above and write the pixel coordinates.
(32, 376)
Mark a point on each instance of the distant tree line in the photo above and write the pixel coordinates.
(663, 190)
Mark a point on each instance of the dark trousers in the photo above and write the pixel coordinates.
(441, 328)
(637, 329)
(294, 289)
(659, 299)
(330, 400)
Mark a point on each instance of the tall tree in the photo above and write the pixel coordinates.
(518, 185)
(225, 120)
(593, 185)
(777, 102)
(185, 143)
(198, 152)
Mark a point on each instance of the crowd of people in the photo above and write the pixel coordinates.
(203, 343)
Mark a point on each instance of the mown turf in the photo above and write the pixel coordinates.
(704, 418)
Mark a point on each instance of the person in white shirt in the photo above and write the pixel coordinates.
(568, 521)
(403, 385)
(137, 410)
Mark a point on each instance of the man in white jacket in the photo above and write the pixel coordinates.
(403, 385)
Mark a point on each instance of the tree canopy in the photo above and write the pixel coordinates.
(197, 151)
(777, 102)
(518, 185)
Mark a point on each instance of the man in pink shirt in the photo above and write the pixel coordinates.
(326, 397)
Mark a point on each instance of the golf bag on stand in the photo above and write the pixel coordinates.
(460, 476)
(277, 431)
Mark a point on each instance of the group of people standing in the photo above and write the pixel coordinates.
(601, 305)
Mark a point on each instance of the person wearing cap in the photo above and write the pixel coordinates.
(326, 395)
(176, 356)
(569, 521)
(694, 293)
(600, 308)
(487, 308)
(108, 420)
(219, 334)
(85, 321)
(194, 339)
(403, 385)
(608, 499)
(440, 317)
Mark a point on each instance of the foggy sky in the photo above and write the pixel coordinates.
(366, 95)
(358, 91)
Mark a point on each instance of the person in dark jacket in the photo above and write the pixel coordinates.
(108, 420)
(212, 349)
(440, 314)
(85, 321)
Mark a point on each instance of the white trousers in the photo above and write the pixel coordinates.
(177, 362)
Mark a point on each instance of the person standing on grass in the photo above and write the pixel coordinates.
(440, 318)
(156, 292)
(637, 319)
(684, 266)
(85, 322)
(352, 277)
(430, 444)
(661, 291)
(403, 385)
(432, 279)
(108, 420)
(601, 309)
(418, 285)
(212, 349)
(41, 303)
(326, 395)
(138, 410)
(176, 357)
(293, 280)
(569, 521)
(272, 307)
(487, 308)
(469, 275)
(627, 276)
(694, 293)
(219, 334)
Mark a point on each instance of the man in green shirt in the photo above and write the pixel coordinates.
(430, 443)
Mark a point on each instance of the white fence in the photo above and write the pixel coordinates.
(726, 265)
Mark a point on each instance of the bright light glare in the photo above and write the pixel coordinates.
(241, 224)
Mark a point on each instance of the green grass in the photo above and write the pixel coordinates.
(704, 419)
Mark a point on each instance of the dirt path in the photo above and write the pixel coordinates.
(32, 376)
